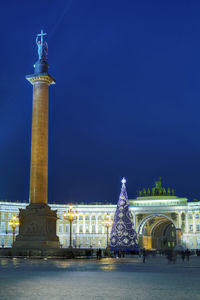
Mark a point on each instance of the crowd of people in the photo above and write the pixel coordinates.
(170, 254)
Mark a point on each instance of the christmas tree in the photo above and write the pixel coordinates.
(123, 236)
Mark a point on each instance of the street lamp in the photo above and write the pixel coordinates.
(71, 215)
(107, 223)
(14, 222)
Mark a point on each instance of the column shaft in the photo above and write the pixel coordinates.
(39, 144)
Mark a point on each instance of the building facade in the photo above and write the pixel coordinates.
(161, 221)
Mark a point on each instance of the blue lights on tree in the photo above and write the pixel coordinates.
(123, 235)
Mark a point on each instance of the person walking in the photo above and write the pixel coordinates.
(144, 255)
(188, 254)
(97, 253)
(183, 255)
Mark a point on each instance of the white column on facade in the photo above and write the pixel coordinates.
(186, 217)
(77, 226)
(90, 226)
(194, 222)
(96, 230)
(179, 220)
(83, 223)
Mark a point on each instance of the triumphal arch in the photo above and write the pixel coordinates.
(163, 220)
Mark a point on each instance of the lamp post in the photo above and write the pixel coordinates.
(71, 215)
(14, 222)
(107, 223)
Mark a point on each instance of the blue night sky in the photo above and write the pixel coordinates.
(126, 102)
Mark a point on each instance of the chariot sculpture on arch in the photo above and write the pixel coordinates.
(42, 46)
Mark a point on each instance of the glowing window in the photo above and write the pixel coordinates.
(93, 228)
(87, 229)
(100, 229)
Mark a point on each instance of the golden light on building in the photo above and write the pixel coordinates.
(14, 222)
(71, 215)
(107, 223)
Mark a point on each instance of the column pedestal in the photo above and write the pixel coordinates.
(37, 227)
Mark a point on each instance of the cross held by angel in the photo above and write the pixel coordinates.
(42, 46)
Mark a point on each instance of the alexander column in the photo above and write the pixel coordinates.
(38, 222)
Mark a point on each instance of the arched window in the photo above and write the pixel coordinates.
(93, 218)
(87, 218)
(93, 229)
(100, 229)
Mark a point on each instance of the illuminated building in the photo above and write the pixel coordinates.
(161, 220)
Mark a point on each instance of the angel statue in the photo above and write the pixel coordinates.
(42, 46)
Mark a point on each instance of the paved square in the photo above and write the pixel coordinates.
(125, 278)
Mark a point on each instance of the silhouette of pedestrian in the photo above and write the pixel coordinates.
(97, 253)
(188, 254)
(144, 255)
(100, 255)
(119, 253)
(183, 255)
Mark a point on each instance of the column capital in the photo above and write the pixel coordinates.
(42, 77)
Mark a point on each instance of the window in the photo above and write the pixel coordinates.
(93, 228)
(87, 218)
(93, 218)
(2, 227)
(74, 228)
(81, 228)
(67, 228)
(197, 216)
(99, 218)
(60, 228)
(100, 229)
(190, 216)
(197, 227)
(81, 218)
(191, 228)
(87, 228)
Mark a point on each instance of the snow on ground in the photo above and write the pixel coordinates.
(89, 279)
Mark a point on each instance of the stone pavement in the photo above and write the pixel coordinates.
(125, 278)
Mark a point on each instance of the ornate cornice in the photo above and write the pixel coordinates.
(41, 78)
